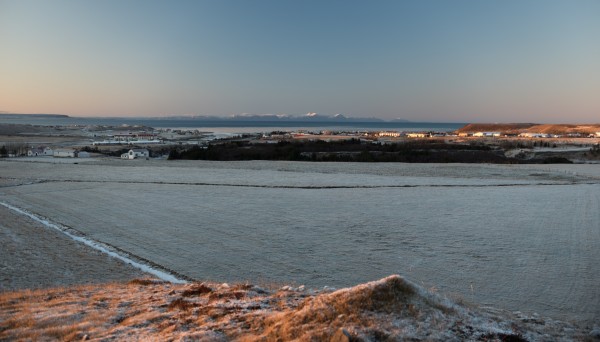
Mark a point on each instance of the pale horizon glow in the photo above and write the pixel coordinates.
(429, 60)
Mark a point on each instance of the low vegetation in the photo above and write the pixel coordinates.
(355, 150)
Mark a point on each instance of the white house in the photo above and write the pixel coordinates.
(34, 152)
(40, 151)
(136, 153)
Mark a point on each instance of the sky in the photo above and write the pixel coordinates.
(420, 60)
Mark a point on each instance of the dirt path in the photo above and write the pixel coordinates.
(33, 256)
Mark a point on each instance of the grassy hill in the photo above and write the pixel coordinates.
(515, 128)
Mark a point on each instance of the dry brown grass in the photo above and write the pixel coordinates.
(196, 290)
(321, 317)
(507, 127)
(143, 282)
(65, 332)
(180, 304)
(148, 310)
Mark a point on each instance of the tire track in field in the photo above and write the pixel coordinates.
(138, 262)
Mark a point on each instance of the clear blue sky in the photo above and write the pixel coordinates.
(422, 60)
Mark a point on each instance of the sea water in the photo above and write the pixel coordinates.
(234, 125)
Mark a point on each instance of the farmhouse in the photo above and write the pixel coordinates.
(40, 151)
(136, 153)
(34, 152)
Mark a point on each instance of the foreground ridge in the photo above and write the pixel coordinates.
(391, 308)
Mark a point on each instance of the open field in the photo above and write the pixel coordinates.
(41, 135)
(517, 237)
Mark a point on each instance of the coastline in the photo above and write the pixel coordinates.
(510, 144)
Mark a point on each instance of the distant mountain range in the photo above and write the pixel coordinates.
(310, 117)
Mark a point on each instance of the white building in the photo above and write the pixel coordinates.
(486, 134)
(64, 153)
(417, 135)
(392, 134)
(136, 153)
(34, 152)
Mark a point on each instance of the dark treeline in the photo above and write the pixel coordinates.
(115, 153)
(13, 149)
(350, 151)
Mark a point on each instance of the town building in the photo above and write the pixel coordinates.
(486, 134)
(417, 135)
(392, 134)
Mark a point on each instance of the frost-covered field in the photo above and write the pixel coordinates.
(514, 237)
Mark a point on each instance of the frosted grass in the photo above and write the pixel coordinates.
(530, 246)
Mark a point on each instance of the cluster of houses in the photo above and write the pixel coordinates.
(70, 153)
(396, 134)
(130, 138)
(528, 135)
(57, 153)
(539, 135)
(580, 135)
